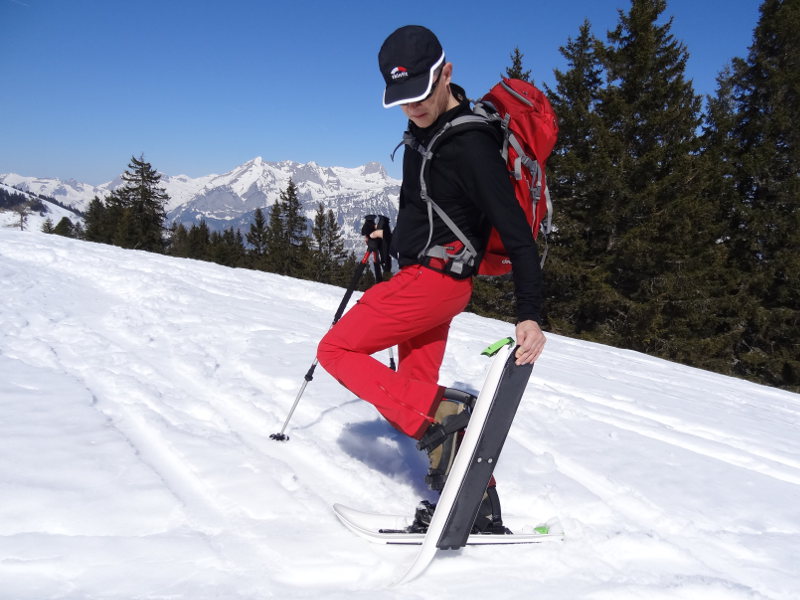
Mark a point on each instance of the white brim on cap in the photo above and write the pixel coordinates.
(410, 90)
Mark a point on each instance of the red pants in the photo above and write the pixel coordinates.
(413, 310)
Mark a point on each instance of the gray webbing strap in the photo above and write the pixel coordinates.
(516, 94)
(541, 187)
(468, 254)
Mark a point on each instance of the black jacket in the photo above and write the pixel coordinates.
(469, 181)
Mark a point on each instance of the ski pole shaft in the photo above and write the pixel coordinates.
(281, 436)
(377, 268)
(309, 376)
(352, 287)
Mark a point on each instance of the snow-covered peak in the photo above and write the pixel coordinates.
(374, 168)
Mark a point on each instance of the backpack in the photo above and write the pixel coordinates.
(529, 129)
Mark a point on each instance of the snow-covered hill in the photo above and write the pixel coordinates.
(138, 392)
(69, 192)
(34, 218)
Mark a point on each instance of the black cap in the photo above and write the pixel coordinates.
(408, 60)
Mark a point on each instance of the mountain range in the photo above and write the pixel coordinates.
(230, 200)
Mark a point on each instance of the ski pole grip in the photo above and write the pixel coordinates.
(310, 373)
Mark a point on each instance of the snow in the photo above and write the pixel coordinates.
(138, 393)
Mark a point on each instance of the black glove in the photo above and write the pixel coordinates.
(381, 245)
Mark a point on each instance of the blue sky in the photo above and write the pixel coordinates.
(200, 87)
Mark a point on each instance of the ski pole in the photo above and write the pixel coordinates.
(281, 436)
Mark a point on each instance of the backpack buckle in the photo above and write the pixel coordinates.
(454, 260)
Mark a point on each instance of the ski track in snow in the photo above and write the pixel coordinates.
(140, 391)
(708, 441)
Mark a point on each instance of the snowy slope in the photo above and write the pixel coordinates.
(35, 220)
(69, 192)
(138, 392)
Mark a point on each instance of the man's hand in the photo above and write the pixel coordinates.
(374, 240)
(530, 340)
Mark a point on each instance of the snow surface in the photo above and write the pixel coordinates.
(138, 392)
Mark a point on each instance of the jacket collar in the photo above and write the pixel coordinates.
(424, 134)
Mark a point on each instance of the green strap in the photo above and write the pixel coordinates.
(495, 348)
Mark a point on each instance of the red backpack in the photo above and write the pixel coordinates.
(529, 131)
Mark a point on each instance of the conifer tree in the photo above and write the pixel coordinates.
(582, 177)
(199, 240)
(226, 248)
(97, 219)
(286, 236)
(65, 228)
(257, 236)
(759, 140)
(659, 225)
(277, 255)
(295, 221)
(516, 70)
(635, 260)
(10, 199)
(581, 162)
(719, 326)
(652, 113)
(179, 241)
(142, 201)
(328, 253)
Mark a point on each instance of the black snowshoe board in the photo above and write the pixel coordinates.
(391, 529)
(494, 430)
(475, 461)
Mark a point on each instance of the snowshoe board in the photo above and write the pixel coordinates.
(391, 529)
(475, 461)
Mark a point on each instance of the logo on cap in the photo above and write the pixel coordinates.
(399, 73)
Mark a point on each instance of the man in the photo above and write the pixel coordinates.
(469, 181)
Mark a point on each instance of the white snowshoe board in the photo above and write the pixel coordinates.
(458, 504)
(459, 501)
(388, 529)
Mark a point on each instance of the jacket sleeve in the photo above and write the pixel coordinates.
(487, 183)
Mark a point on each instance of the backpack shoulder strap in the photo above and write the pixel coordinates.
(469, 254)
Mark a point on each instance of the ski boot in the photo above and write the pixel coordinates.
(422, 517)
(442, 438)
